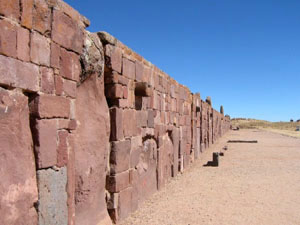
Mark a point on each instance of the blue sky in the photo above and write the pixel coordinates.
(244, 54)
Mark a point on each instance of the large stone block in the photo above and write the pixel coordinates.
(49, 106)
(62, 148)
(92, 149)
(47, 80)
(27, 13)
(41, 17)
(128, 69)
(19, 74)
(8, 37)
(115, 55)
(23, 40)
(55, 55)
(120, 156)
(70, 65)
(18, 185)
(45, 141)
(10, 9)
(40, 49)
(125, 202)
(52, 207)
(129, 123)
(62, 25)
(116, 121)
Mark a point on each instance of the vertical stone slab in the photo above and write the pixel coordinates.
(91, 154)
(52, 206)
(18, 188)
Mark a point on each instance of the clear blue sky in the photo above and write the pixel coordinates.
(244, 54)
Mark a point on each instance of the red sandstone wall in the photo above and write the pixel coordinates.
(89, 129)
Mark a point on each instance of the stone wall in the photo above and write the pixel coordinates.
(89, 129)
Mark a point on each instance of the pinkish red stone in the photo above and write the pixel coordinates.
(58, 85)
(41, 17)
(62, 25)
(128, 69)
(117, 182)
(23, 39)
(114, 91)
(70, 65)
(19, 74)
(27, 13)
(62, 148)
(125, 202)
(47, 80)
(18, 176)
(129, 123)
(55, 55)
(45, 141)
(139, 70)
(91, 142)
(40, 49)
(116, 121)
(8, 38)
(120, 156)
(48, 106)
(115, 54)
(10, 9)
(70, 88)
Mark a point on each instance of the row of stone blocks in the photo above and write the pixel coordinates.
(89, 129)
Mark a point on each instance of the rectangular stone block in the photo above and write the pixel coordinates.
(70, 88)
(48, 106)
(116, 123)
(47, 80)
(52, 207)
(15, 73)
(150, 120)
(129, 123)
(142, 118)
(23, 40)
(27, 13)
(128, 69)
(45, 141)
(10, 9)
(62, 149)
(118, 182)
(125, 202)
(139, 70)
(70, 65)
(41, 17)
(40, 49)
(55, 55)
(62, 25)
(8, 37)
(120, 156)
(115, 54)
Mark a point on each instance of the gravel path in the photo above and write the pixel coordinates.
(254, 184)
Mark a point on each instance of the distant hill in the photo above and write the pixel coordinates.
(288, 128)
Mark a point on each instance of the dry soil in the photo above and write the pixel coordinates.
(254, 184)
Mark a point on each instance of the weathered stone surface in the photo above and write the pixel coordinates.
(40, 49)
(116, 121)
(70, 65)
(19, 74)
(27, 13)
(128, 69)
(10, 9)
(120, 156)
(49, 106)
(92, 59)
(45, 141)
(47, 80)
(52, 207)
(18, 185)
(70, 88)
(41, 17)
(62, 148)
(115, 58)
(129, 123)
(118, 182)
(23, 39)
(92, 140)
(62, 25)
(55, 55)
(8, 37)
(125, 201)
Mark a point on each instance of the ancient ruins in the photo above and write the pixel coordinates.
(89, 128)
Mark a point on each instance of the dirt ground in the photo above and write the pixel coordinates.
(254, 184)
